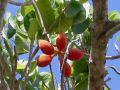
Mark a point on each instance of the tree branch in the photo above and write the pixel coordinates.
(113, 57)
(114, 68)
(117, 47)
(112, 31)
(20, 4)
(3, 4)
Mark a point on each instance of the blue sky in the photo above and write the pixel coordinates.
(114, 83)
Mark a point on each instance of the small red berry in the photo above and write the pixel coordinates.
(61, 41)
(43, 60)
(75, 54)
(46, 47)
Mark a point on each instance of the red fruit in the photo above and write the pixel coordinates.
(75, 54)
(61, 41)
(67, 70)
(46, 47)
(43, 60)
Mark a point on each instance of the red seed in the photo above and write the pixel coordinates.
(61, 41)
(67, 71)
(46, 47)
(75, 54)
(43, 60)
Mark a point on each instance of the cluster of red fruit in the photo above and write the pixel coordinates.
(50, 51)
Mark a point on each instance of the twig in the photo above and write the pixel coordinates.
(34, 52)
(114, 68)
(107, 86)
(14, 66)
(117, 47)
(108, 79)
(27, 69)
(39, 15)
(45, 33)
(113, 57)
(63, 66)
(19, 3)
(50, 66)
(45, 85)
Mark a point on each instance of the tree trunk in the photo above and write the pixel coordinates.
(98, 45)
(3, 3)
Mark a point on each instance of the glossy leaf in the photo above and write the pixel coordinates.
(81, 27)
(46, 13)
(73, 9)
(114, 15)
(80, 66)
(27, 18)
(33, 28)
(62, 24)
(82, 82)
(21, 44)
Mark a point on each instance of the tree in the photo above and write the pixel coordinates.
(46, 19)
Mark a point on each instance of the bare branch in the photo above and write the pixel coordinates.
(117, 47)
(35, 51)
(108, 79)
(20, 4)
(113, 57)
(112, 31)
(114, 68)
(107, 86)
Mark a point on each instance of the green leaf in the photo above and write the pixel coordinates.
(13, 23)
(81, 27)
(44, 77)
(83, 1)
(86, 40)
(80, 17)
(19, 15)
(33, 28)
(21, 65)
(46, 13)
(10, 33)
(21, 44)
(80, 66)
(25, 10)
(114, 15)
(62, 24)
(82, 82)
(27, 19)
(29, 86)
(118, 38)
(73, 9)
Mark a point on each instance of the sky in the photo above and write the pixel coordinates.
(115, 79)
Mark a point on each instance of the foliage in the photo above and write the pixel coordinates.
(25, 29)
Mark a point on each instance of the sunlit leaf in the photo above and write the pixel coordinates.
(21, 45)
(46, 13)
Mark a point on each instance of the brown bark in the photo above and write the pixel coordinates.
(3, 85)
(98, 45)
